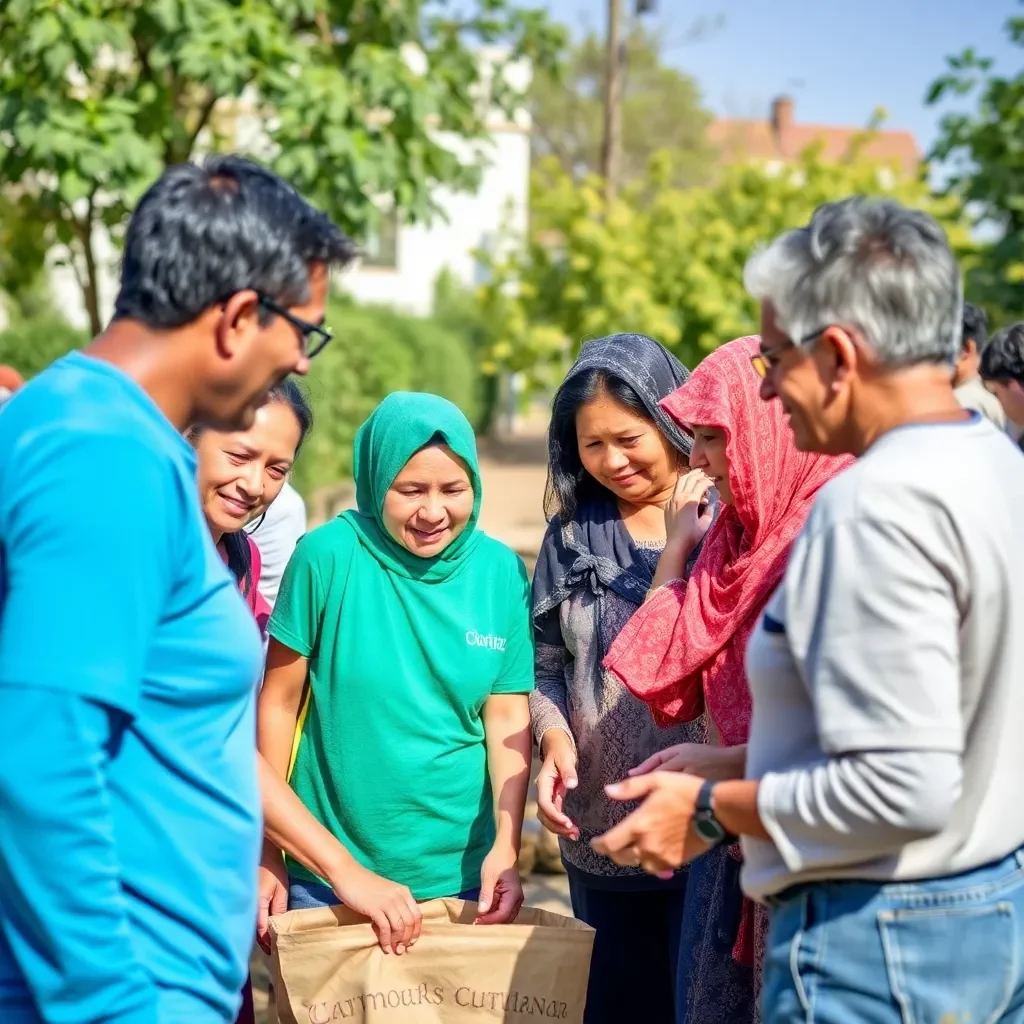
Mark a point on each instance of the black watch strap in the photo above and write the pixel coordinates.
(705, 824)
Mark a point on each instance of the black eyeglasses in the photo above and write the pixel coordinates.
(308, 331)
(764, 361)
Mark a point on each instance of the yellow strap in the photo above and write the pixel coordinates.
(297, 736)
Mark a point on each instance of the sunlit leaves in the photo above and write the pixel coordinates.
(982, 155)
(662, 261)
(97, 95)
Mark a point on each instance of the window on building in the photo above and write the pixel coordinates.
(380, 248)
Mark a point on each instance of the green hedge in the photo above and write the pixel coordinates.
(31, 345)
(375, 351)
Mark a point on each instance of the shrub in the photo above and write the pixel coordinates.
(31, 345)
(375, 351)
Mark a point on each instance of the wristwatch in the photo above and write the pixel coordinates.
(705, 824)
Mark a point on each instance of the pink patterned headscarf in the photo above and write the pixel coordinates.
(683, 651)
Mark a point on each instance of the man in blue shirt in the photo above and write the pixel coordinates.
(129, 812)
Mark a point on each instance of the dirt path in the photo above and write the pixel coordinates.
(514, 477)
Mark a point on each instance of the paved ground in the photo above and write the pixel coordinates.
(514, 477)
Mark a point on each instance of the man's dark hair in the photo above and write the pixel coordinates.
(975, 326)
(201, 234)
(1003, 358)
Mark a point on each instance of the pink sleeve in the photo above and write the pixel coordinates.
(256, 601)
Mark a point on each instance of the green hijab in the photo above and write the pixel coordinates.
(403, 424)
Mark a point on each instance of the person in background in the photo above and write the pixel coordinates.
(683, 651)
(10, 381)
(968, 385)
(276, 533)
(240, 475)
(1002, 370)
(130, 831)
(880, 814)
(614, 461)
(411, 628)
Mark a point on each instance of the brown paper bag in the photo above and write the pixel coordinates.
(327, 967)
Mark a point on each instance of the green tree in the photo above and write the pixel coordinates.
(670, 267)
(661, 110)
(22, 258)
(96, 96)
(983, 154)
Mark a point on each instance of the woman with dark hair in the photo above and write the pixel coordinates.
(240, 474)
(614, 461)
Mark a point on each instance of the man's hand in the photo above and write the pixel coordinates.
(501, 889)
(658, 835)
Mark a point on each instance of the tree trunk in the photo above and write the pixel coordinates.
(91, 282)
(612, 145)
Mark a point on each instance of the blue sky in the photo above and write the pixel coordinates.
(838, 59)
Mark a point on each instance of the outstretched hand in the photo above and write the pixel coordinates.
(658, 835)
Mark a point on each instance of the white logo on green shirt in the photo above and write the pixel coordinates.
(494, 643)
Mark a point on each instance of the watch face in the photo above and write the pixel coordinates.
(709, 830)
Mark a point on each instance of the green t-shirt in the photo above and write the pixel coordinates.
(391, 755)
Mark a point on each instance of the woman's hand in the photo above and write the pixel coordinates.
(657, 836)
(685, 523)
(395, 916)
(273, 894)
(696, 759)
(556, 777)
(501, 889)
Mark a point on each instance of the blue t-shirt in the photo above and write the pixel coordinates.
(129, 808)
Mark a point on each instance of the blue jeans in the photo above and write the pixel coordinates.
(942, 950)
(309, 895)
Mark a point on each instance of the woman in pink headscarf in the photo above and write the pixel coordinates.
(683, 652)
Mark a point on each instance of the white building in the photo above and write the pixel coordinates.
(402, 261)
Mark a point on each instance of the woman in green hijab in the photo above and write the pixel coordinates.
(411, 740)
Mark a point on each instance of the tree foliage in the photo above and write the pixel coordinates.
(96, 96)
(375, 351)
(670, 266)
(983, 152)
(31, 345)
(661, 110)
(22, 258)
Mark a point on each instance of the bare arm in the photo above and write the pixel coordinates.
(509, 750)
(289, 826)
(279, 703)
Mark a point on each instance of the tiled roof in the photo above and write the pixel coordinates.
(780, 138)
